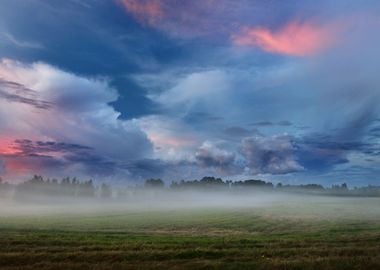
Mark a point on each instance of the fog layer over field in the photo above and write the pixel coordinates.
(278, 205)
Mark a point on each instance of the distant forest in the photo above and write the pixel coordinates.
(72, 187)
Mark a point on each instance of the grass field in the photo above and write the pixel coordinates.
(307, 233)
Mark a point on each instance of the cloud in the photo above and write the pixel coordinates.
(284, 123)
(210, 155)
(294, 38)
(173, 140)
(79, 133)
(26, 156)
(201, 117)
(177, 18)
(194, 86)
(207, 92)
(28, 147)
(194, 89)
(237, 131)
(322, 152)
(2, 167)
(263, 123)
(334, 93)
(189, 19)
(146, 11)
(12, 40)
(16, 92)
(272, 155)
(154, 168)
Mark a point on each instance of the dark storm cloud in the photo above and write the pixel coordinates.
(273, 155)
(94, 164)
(50, 156)
(58, 155)
(324, 152)
(147, 168)
(16, 92)
(168, 170)
(17, 87)
(278, 155)
(27, 147)
(223, 161)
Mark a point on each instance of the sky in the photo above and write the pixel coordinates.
(124, 90)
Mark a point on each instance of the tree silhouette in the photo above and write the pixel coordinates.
(154, 183)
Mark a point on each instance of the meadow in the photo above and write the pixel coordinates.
(293, 232)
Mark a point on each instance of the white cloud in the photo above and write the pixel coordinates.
(78, 111)
(10, 39)
(204, 90)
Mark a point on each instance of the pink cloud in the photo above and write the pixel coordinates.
(296, 39)
(7, 147)
(144, 10)
(184, 18)
(163, 140)
(9, 157)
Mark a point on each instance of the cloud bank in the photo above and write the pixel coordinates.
(294, 38)
(183, 89)
(66, 122)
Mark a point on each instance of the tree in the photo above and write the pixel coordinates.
(154, 183)
(86, 189)
(105, 191)
(253, 183)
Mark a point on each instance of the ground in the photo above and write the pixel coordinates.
(316, 233)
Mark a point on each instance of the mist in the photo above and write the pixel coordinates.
(257, 197)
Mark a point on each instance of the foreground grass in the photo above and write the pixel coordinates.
(281, 236)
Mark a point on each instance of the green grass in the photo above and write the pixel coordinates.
(336, 234)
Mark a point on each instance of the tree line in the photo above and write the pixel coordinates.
(37, 186)
(66, 187)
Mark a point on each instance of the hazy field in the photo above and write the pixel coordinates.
(259, 232)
